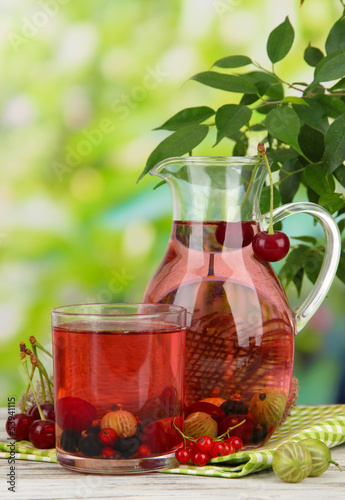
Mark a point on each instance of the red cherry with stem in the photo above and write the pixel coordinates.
(200, 458)
(107, 436)
(204, 443)
(47, 410)
(234, 234)
(244, 430)
(42, 434)
(270, 247)
(235, 441)
(217, 450)
(183, 455)
(18, 426)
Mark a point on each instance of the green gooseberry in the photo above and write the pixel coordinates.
(292, 462)
(320, 456)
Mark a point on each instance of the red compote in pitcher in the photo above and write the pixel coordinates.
(240, 337)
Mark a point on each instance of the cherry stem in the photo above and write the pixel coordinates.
(23, 358)
(219, 438)
(27, 391)
(34, 348)
(262, 154)
(226, 434)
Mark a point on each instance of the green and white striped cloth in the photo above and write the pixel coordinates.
(326, 423)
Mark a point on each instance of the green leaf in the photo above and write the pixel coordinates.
(275, 89)
(313, 55)
(341, 225)
(186, 117)
(280, 41)
(229, 83)
(316, 178)
(233, 62)
(283, 124)
(312, 264)
(330, 67)
(312, 143)
(306, 239)
(332, 105)
(248, 99)
(293, 264)
(332, 201)
(282, 154)
(289, 184)
(335, 144)
(339, 174)
(313, 115)
(177, 144)
(336, 37)
(266, 197)
(231, 118)
(341, 267)
(339, 86)
(295, 100)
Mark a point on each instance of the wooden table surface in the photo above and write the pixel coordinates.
(39, 480)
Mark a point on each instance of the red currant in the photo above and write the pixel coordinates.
(235, 441)
(47, 410)
(217, 450)
(108, 452)
(200, 458)
(144, 450)
(42, 434)
(107, 436)
(18, 426)
(204, 443)
(234, 234)
(183, 455)
(270, 247)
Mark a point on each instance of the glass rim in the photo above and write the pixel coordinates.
(157, 310)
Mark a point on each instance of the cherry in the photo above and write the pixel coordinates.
(217, 450)
(47, 410)
(243, 431)
(200, 458)
(42, 434)
(213, 410)
(107, 436)
(75, 413)
(234, 234)
(109, 452)
(144, 450)
(270, 247)
(204, 443)
(183, 455)
(18, 426)
(161, 435)
(234, 441)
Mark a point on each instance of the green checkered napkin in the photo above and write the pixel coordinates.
(326, 423)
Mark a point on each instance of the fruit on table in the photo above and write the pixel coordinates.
(42, 434)
(123, 422)
(47, 410)
(199, 424)
(320, 456)
(267, 407)
(244, 431)
(271, 247)
(18, 426)
(74, 413)
(292, 462)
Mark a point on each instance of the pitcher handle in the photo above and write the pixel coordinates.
(329, 266)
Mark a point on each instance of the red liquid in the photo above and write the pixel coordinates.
(137, 370)
(240, 339)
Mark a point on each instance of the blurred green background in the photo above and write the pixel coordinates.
(82, 86)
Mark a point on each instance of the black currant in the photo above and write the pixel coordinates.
(90, 446)
(232, 407)
(94, 429)
(126, 447)
(259, 434)
(69, 440)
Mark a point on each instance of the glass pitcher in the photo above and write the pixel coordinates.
(240, 337)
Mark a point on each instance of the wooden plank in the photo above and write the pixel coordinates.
(46, 481)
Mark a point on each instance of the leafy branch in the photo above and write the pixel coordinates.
(304, 135)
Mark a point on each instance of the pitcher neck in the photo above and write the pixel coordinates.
(210, 188)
